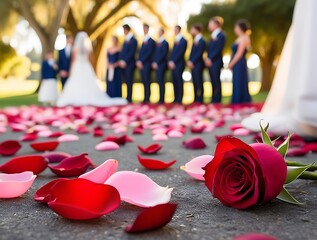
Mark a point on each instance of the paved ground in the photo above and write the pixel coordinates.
(199, 216)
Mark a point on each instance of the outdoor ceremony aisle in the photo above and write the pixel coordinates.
(183, 132)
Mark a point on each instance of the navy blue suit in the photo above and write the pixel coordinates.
(215, 50)
(64, 63)
(196, 57)
(47, 71)
(146, 56)
(177, 57)
(127, 55)
(160, 58)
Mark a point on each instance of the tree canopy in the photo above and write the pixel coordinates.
(270, 22)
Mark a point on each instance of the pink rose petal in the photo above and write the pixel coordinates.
(107, 146)
(296, 152)
(241, 132)
(175, 134)
(160, 137)
(195, 166)
(139, 189)
(101, 173)
(68, 138)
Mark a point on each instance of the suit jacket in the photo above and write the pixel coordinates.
(47, 71)
(63, 60)
(178, 52)
(161, 52)
(147, 51)
(127, 53)
(215, 47)
(196, 54)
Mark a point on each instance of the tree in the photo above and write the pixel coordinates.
(270, 22)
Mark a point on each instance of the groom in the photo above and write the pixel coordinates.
(64, 60)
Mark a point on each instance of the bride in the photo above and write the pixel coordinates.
(82, 85)
(291, 105)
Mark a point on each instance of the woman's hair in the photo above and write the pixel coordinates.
(244, 25)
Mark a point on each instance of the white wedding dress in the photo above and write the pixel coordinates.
(292, 101)
(82, 86)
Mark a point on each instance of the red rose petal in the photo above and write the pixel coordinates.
(33, 163)
(72, 166)
(56, 157)
(310, 147)
(119, 140)
(82, 130)
(44, 146)
(296, 152)
(81, 199)
(194, 143)
(29, 137)
(55, 134)
(197, 129)
(152, 218)
(98, 132)
(137, 130)
(220, 123)
(43, 194)
(151, 149)
(9, 147)
(155, 164)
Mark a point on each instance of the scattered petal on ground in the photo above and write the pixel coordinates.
(194, 166)
(155, 164)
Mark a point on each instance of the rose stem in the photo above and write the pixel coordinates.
(308, 175)
(293, 163)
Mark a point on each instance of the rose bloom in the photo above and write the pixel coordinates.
(242, 175)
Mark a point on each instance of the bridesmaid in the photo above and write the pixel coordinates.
(238, 63)
(113, 78)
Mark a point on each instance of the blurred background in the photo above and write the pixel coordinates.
(32, 27)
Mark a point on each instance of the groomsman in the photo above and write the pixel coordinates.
(177, 64)
(64, 60)
(145, 60)
(160, 62)
(196, 62)
(214, 59)
(127, 59)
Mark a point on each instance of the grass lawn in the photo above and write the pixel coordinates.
(28, 99)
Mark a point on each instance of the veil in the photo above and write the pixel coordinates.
(82, 43)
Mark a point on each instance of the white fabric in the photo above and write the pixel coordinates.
(128, 37)
(161, 39)
(82, 86)
(146, 38)
(215, 33)
(198, 37)
(48, 92)
(178, 37)
(292, 100)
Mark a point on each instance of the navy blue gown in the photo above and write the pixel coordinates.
(240, 79)
(114, 86)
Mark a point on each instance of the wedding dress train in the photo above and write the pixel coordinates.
(291, 105)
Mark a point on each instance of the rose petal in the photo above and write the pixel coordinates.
(43, 194)
(235, 126)
(296, 152)
(241, 132)
(137, 130)
(98, 132)
(81, 199)
(82, 130)
(310, 147)
(9, 147)
(29, 137)
(72, 166)
(152, 218)
(195, 166)
(160, 137)
(44, 133)
(194, 143)
(119, 140)
(101, 173)
(68, 138)
(55, 134)
(107, 146)
(155, 164)
(175, 134)
(56, 157)
(14, 185)
(254, 236)
(33, 163)
(197, 129)
(151, 149)
(139, 189)
(44, 146)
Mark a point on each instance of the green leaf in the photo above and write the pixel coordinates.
(293, 172)
(265, 138)
(282, 149)
(285, 196)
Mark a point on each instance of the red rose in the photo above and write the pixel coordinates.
(242, 175)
